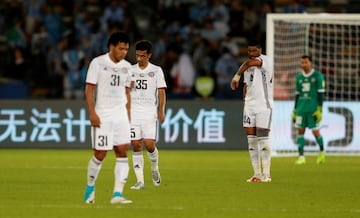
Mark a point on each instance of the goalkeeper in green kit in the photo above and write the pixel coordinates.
(307, 113)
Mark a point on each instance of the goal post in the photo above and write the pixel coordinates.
(333, 41)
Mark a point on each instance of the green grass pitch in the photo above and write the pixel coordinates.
(51, 183)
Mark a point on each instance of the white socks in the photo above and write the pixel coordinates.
(260, 155)
(254, 154)
(94, 167)
(154, 159)
(121, 172)
(138, 165)
(265, 152)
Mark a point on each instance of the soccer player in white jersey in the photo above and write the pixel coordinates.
(148, 99)
(107, 91)
(258, 92)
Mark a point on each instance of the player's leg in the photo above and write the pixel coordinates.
(121, 171)
(300, 141)
(301, 124)
(254, 158)
(94, 167)
(265, 152)
(149, 131)
(263, 124)
(153, 155)
(137, 157)
(138, 164)
(319, 140)
(254, 154)
(95, 163)
(250, 129)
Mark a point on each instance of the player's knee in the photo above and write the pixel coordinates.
(316, 132)
(252, 141)
(264, 143)
(262, 132)
(150, 145)
(137, 145)
(100, 154)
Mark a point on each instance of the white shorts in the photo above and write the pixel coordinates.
(144, 129)
(110, 134)
(259, 119)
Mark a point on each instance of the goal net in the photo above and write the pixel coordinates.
(333, 41)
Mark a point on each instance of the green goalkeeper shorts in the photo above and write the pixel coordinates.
(306, 120)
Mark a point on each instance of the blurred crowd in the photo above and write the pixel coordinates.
(48, 44)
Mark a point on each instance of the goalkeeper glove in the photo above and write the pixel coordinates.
(318, 114)
(293, 116)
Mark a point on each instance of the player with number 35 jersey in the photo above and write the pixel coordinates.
(144, 96)
(148, 101)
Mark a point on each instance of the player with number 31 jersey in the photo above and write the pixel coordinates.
(107, 92)
(110, 98)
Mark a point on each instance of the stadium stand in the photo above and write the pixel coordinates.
(86, 24)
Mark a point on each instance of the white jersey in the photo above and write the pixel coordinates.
(259, 82)
(144, 96)
(111, 80)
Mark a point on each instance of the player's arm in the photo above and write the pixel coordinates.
(253, 62)
(297, 95)
(244, 90)
(162, 103)
(90, 101)
(128, 104)
(293, 116)
(320, 98)
(321, 90)
(318, 113)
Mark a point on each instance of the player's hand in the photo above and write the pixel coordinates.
(94, 120)
(161, 117)
(235, 82)
(318, 114)
(293, 116)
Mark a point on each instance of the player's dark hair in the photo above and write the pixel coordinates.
(306, 57)
(144, 45)
(254, 42)
(118, 37)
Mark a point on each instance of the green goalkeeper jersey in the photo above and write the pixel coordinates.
(308, 87)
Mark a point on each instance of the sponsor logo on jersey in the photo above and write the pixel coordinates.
(124, 70)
